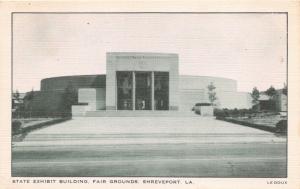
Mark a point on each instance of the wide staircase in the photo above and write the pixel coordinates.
(139, 113)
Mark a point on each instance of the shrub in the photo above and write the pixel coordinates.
(281, 126)
(235, 113)
(244, 112)
(203, 104)
(219, 113)
(232, 112)
(16, 126)
(226, 112)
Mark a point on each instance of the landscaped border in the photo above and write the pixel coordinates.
(253, 125)
(40, 125)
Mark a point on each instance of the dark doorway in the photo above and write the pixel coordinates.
(143, 90)
(161, 90)
(124, 90)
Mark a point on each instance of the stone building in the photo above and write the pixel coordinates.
(151, 82)
(139, 84)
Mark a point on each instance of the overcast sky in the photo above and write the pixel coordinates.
(250, 48)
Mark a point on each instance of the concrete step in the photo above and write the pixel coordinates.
(142, 138)
(140, 113)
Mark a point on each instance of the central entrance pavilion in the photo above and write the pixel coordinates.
(141, 81)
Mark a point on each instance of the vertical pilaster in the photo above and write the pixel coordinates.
(152, 91)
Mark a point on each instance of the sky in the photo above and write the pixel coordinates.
(249, 48)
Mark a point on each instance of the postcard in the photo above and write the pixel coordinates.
(150, 94)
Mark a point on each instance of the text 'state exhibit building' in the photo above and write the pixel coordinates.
(137, 81)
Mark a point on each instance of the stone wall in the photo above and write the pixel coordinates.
(77, 81)
(188, 98)
(94, 97)
(193, 89)
(231, 100)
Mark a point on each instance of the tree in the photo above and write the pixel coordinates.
(29, 96)
(271, 92)
(15, 103)
(16, 98)
(16, 95)
(255, 97)
(284, 90)
(212, 96)
(28, 102)
(69, 98)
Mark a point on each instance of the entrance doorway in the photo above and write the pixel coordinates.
(143, 86)
(142, 90)
(124, 91)
(161, 90)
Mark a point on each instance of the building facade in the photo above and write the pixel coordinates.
(140, 83)
(151, 81)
